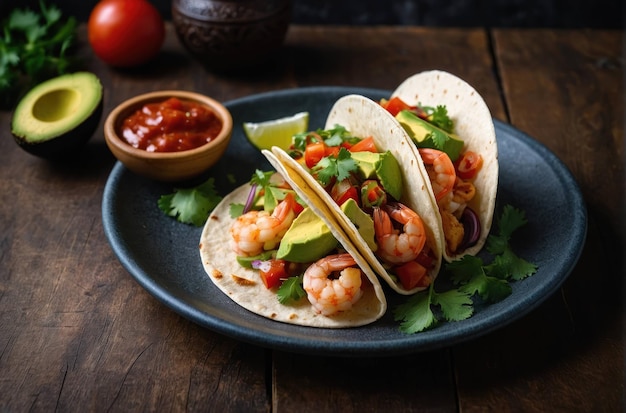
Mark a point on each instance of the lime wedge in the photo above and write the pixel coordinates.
(276, 132)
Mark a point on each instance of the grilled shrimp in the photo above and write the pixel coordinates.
(440, 171)
(394, 246)
(258, 231)
(328, 293)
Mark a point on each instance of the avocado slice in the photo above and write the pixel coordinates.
(58, 116)
(427, 135)
(362, 221)
(307, 240)
(382, 166)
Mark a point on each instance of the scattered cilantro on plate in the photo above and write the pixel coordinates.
(191, 205)
(472, 277)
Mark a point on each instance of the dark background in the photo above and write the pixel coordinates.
(608, 14)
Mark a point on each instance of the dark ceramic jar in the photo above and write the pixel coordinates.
(231, 34)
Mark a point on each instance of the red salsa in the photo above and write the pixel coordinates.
(171, 126)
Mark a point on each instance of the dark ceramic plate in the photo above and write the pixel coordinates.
(162, 254)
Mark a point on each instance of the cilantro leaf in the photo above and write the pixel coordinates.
(261, 178)
(270, 188)
(34, 46)
(191, 205)
(291, 290)
(470, 274)
(339, 167)
(416, 314)
(439, 139)
(438, 116)
(509, 265)
(300, 140)
(496, 244)
(464, 269)
(489, 289)
(456, 305)
(335, 136)
(472, 277)
(510, 220)
(236, 210)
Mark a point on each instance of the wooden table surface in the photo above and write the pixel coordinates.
(77, 333)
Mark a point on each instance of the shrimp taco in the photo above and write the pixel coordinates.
(358, 166)
(274, 248)
(455, 139)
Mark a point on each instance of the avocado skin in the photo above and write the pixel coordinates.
(65, 145)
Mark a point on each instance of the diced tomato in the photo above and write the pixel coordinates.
(276, 272)
(364, 145)
(425, 259)
(332, 151)
(290, 199)
(372, 194)
(313, 153)
(394, 105)
(468, 165)
(346, 144)
(344, 190)
(297, 208)
(411, 275)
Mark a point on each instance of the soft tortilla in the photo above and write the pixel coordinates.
(245, 287)
(363, 117)
(474, 124)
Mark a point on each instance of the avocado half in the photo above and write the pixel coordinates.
(58, 116)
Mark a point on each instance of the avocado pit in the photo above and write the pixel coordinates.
(58, 116)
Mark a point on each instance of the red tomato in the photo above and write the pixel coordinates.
(425, 259)
(365, 145)
(394, 105)
(468, 165)
(344, 190)
(412, 275)
(372, 194)
(332, 151)
(314, 153)
(125, 33)
(290, 199)
(276, 272)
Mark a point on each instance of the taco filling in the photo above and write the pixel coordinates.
(363, 181)
(451, 169)
(455, 140)
(269, 249)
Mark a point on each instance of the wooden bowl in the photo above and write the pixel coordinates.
(167, 166)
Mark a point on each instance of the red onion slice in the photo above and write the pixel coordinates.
(471, 224)
(250, 199)
(261, 265)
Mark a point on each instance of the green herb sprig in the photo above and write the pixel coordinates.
(291, 290)
(472, 278)
(438, 116)
(34, 46)
(340, 167)
(191, 205)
